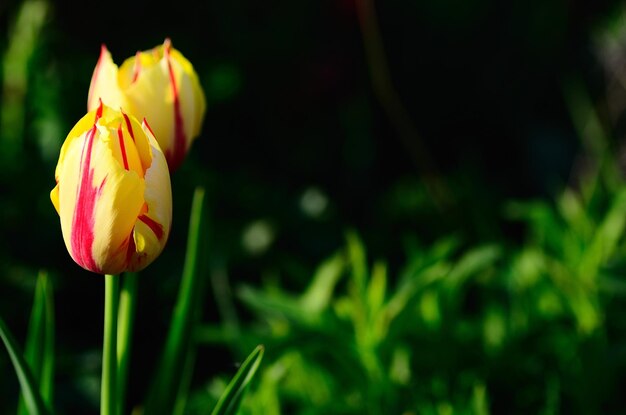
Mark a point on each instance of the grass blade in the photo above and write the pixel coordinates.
(39, 346)
(46, 381)
(32, 396)
(162, 396)
(185, 382)
(230, 400)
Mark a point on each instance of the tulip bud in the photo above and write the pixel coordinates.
(113, 193)
(159, 85)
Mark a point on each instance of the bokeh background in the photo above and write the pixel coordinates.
(473, 142)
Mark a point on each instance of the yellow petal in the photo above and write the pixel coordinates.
(158, 195)
(104, 83)
(196, 95)
(153, 227)
(69, 179)
(151, 97)
(54, 197)
(117, 209)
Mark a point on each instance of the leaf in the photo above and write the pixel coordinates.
(39, 348)
(185, 382)
(376, 288)
(606, 238)
(230, 400)
(165, 387)
(471, 263)
(318, 294)
(32, 396)
(357, 260)
(275, 304)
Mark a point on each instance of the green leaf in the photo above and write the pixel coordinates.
(32, 395)
(411, 285)
(169, 375)
(358, 260)
(230, 400)
(471, 263)
(318, 294)
(606, 238)
(185, 382)
(480, 400)
(377, 288)
(275, 304)
(39, 348)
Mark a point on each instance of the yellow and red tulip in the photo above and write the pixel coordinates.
(113, 193)
(159, 85)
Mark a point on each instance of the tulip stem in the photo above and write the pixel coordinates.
(108, 390)
(125, 322)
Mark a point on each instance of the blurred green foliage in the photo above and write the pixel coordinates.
(324, 241)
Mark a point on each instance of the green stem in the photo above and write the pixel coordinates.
(108, 391)
(125, 321)
(392, 104)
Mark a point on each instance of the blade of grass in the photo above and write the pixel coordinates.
(39, 346)
(46, 382)
(34, 340)
(230, 400)
(32, 396)
(319, 292)
(163, 391)
(186, 375)
(185, 381)
(357, 260)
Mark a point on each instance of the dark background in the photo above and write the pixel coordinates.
(291, 108)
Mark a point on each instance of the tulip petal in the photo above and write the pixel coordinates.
(54, 197)
(194, 106)
(153, 227)
(119, 204)
(176, 153)
(82, 235)
(104, 83)
(142, 146)
(148, 97)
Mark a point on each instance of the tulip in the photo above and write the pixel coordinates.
(159, 85)
(113, 193)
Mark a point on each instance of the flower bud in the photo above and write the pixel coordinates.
(113, 193)
(159, 85)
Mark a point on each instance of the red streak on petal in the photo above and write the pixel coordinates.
(145, 122)
(96, 72)
(176, 155)
(83, 221)
(156, 227)
(131, 249)
(120, 136)
(136, 67)
(129, 126)
(99, 111)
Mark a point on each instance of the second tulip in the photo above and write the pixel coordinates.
(159, 85)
